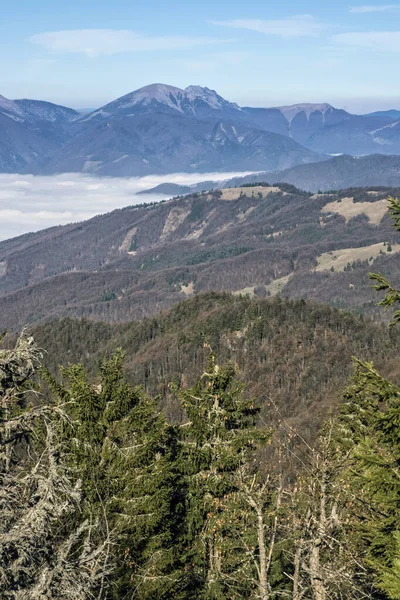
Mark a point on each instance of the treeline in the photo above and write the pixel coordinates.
(102, 498)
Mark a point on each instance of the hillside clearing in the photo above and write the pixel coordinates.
(176, 217)
(234, 193)
(274, 288)
(348, 209)
(339, 259)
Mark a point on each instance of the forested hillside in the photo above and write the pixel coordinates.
(296, 354)
(229, 492)
(340, 172)
(259, 240)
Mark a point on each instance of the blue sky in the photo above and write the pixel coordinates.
(84, 53)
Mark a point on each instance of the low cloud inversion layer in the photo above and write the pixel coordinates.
(29, 202)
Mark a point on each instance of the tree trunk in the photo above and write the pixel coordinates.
(263, 584)
(317, 583)
(296, 595)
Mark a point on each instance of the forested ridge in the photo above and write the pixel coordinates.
(259, 240)
(230, 448)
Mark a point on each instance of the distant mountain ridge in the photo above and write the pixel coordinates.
(31, 130)
(36, 110)
(335, 173)
(161, 128)
(46, 111)
(197, 101)
(391, 114)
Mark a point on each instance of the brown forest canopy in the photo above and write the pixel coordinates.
(296, 353)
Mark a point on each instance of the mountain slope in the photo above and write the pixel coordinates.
(194, 101)
(391, 114)
(46, 111)
(165, 143)
(319, 127)
(161, 128)
(344, 171)
(23, 142)
(30, 131)
(326, 129)
(336, 173)
(258, 240)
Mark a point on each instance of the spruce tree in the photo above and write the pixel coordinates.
(370, 426)
(217, 441)
(370, 430)
(124, 450)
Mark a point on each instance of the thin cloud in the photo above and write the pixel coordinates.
(106, 42)
(296, 26)
(27, 201)
(380, 41)
(375, 8)
(215, 62)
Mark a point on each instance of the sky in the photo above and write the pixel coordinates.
(85, 53)
(29, 202)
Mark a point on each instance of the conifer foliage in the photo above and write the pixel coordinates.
(217, 443)
(124, 450)
(371, 424)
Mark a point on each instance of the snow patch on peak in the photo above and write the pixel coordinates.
(180, 100)
(158, 92)
(210, 97)
(291, 111)
(9, 106)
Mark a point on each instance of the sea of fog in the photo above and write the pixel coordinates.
(30, 202)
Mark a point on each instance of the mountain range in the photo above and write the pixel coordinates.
(257, 240)
(161, 129)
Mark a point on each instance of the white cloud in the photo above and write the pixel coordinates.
(29, 202)
(375, 8)
(380, 41)
(296, 26)
(103, 42)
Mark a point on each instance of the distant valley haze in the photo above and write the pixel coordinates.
(30, 202)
